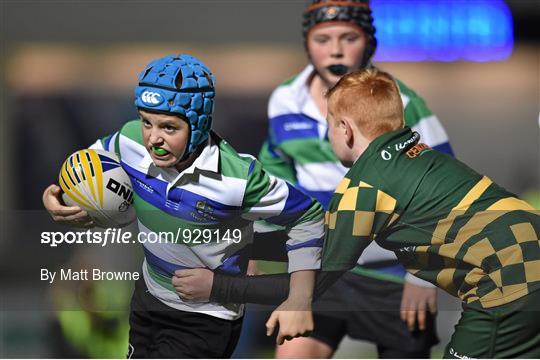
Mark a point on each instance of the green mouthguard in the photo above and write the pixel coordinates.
(159, 151)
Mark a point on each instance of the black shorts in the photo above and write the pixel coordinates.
(368, 309)
(159, 331)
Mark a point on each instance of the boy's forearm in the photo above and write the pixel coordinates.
(266, 289)
(260, 289)
(302, 285)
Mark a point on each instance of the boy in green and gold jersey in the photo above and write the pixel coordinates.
(447, 224)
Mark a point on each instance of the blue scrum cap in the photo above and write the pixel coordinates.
(179, 85)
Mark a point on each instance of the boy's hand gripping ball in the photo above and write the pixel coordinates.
(95, 181)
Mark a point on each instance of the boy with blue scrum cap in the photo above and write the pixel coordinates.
(185, 177)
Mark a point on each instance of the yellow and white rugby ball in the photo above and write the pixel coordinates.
(95, 181)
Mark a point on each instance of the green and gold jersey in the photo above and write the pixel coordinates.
(446, 223)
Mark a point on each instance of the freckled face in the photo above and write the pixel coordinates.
(165, 137)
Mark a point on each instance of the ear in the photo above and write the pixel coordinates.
(346, 126)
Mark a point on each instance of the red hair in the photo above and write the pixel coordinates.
(370, 98)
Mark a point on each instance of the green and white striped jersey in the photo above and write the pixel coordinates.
(210, 208)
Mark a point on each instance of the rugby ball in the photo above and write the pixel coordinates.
(95, 181)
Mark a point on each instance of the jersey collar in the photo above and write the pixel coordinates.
(305, 103)
(384, 145)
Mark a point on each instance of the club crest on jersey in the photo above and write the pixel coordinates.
(152, 98)
(203, 211)
(204, 208)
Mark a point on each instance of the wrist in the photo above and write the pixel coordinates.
(300, 298)
(413, 280)
(298, 304)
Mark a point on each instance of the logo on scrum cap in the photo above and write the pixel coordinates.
(331, 13)
(151, 98)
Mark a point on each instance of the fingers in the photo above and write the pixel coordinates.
(182, 292)
(271, 323)
(183, 288)
(183, 296)
(52, 189)
(74, 215)
(411, 319)
(176, 281)
(421, 315)
(59, 211)
(193, 284)
(403, 314)
(62, 210)
(415, 314)
(432, 304)
(408, 313)
(192, 272)
(185, 272)
(405, 307)
(51, 197)
(291, 324)
(281, 338)
(287, 335)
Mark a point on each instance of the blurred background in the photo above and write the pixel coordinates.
(68, 69)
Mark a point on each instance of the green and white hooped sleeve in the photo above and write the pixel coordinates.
(278, 202)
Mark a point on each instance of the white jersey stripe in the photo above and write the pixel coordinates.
(322, 176)
(431, 130)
